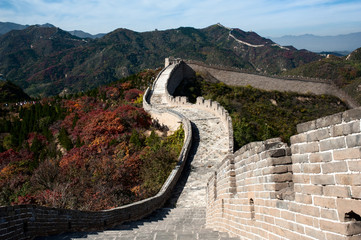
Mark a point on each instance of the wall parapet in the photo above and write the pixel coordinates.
(29, 221)
(310, 190)
(182, 71)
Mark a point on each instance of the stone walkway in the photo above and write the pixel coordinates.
(183, 216)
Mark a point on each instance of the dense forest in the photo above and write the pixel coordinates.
(257, 114)
(88, 151)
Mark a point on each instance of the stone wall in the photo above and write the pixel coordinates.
(235, 77)
(29, 221)
(183, 71)
(309, 191)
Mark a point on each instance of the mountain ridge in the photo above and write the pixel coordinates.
(343, 42)
(45, 60)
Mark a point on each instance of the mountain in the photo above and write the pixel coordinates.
(82, 34)
(347, 42)
(6, 27)
(9, 92)
(46, 61)
(345, 72)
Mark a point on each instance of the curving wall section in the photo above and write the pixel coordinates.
(311, 190)
(183, 71)
(29, 221)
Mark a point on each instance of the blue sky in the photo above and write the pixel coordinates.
(267, 18)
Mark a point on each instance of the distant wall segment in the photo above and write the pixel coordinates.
(311, 190)
(304, 85)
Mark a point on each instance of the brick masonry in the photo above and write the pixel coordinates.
(311, 190)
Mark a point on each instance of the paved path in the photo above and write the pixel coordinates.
(183, 216)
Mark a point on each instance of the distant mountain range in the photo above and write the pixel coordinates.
(6, 27)
(46, 60)
(343, 44)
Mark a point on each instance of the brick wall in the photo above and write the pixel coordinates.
(237, 77)
(309, 191)
(182, 71)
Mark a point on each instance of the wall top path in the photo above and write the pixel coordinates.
(236, 78)
(210, 135)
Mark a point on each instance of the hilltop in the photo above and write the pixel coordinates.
(47, 60)
(345, 72)
(9, 92)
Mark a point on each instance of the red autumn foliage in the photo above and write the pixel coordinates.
(132, 94)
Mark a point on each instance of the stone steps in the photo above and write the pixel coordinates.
(165, 223)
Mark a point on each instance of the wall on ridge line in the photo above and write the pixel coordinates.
(183, 71)
(300, 85)
(29, 221)
(311, 190)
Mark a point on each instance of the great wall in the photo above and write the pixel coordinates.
(265, 190)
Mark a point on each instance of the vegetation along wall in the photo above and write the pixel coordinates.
(29, 221)
(311, 190)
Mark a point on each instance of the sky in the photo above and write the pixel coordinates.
(268, 18)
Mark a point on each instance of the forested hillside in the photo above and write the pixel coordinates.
(45, 61)
(345, 72)
(258, 115)
(87, 151)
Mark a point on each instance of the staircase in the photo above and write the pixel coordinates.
(184, 215)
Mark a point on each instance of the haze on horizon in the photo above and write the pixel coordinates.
(266, 17)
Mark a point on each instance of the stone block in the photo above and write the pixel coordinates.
(329, 214)
(329, 120)
(309, 147)
(280, 169)
(335, 227)
(325, 202)
(356, 192)
(303, 219)
(320, 157)
(305, 209)
(353, 114)
(315, 233)
(332, 236)
(331, 144)
(349, 153)
(288, 215)
(301, 178)
(336, 131)
(318, 135)
(307, 126)
(295, 148)
(353, 141)
(354, 166)
(348, 179)
(334, 167)
(311, 168)
(299, 158)
(352, 127)
(312, 190)
(323, 180)
(299, 138)
(337, 191)
(281, 160)
(303, 198)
